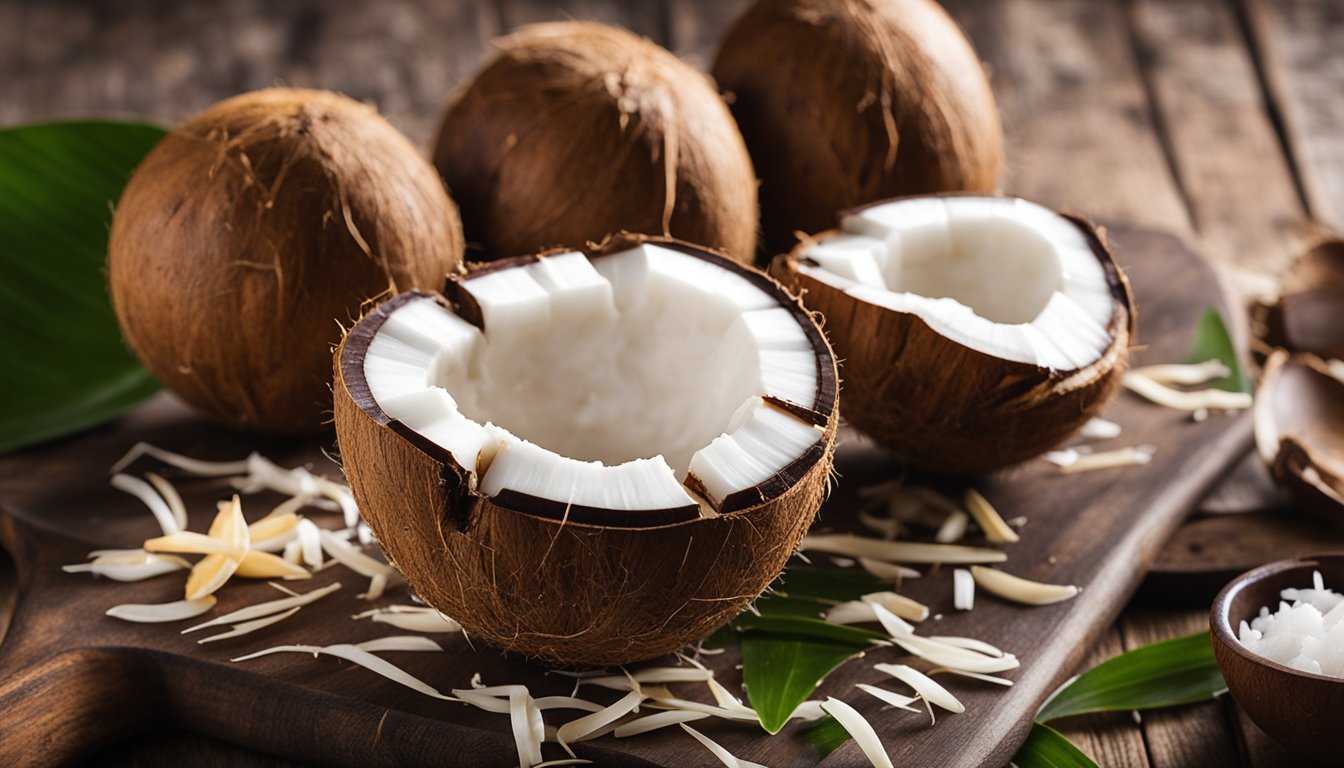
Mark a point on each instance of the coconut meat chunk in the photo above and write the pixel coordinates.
(651, 379)
(1004, 276)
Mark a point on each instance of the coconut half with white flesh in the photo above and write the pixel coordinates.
(974, 331)
(592, 458)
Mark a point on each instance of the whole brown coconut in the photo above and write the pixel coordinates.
(576, 130)
(252, 232)
(845, 102)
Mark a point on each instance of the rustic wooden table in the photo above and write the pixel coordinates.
(1219, 120)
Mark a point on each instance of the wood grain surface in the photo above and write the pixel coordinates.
(1218, 119)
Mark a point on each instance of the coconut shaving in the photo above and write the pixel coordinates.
(1305, 633)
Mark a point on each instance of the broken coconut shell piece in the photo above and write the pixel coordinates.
(1299, 431)
(591, 458)
(975, 331)
(1308, 315)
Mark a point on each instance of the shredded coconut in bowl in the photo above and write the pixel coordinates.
(1306, 632)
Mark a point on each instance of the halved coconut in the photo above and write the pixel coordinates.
(975, 331)
(1299, 430)
(591, 458)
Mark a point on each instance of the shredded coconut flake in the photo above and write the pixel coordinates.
(988, 518)
(655, 721)
(129, 565)
(924, 685)
(146, 493)
(346, 554)
(361, 656)
(584, 727)
(1005, 682)
(723, 755)
(1306, 632)
(1185, 373)
(247, 627)
(1122, 457)
(1098, 428)
(162, 612)
(413, 618)
(1021, 590)
(889, 697)
(953, 528)
(269, 608)
(413, 643)
(963, 590)
(900, 551)
(1066, 457)
(861, 730)
(172, 497)
(1208, 399)
(888, 571)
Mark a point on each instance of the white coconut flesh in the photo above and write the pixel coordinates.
(1003, 276)
(648, 379)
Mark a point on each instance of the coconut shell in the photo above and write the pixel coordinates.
(525, 576)
(943, 407)
(250, 234)
(844, 102)
(1299, 425)
(1308, 315)
(575, 130)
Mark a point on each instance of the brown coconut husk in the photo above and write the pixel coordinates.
(949, 409)
(577, 129)
(1299, 415)
(570, 586)
(253, 230)
(844, 102)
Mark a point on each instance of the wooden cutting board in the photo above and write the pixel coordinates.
(1246, 523)
(72, 679)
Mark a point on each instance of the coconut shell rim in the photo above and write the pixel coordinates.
(351, 352)
(1116, 280)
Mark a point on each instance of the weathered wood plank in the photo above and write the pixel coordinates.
(1185, 737)
(1076, 115)
(1221, 143)
(175, 748)
(1261, 751)
(645, 17)
(697, 26)
(1302, 59)
(1247, 488)
(1110, 738)
(165, 60)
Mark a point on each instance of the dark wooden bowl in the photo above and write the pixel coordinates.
(1302, 711)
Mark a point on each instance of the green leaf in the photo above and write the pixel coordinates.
(825, 735)
(1164, 674)
(780, 605)
(1213, 342)
(807, 627)
(782, 670)
(65, 367)
(787, 649)
(1047, 748)
(833, 584)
